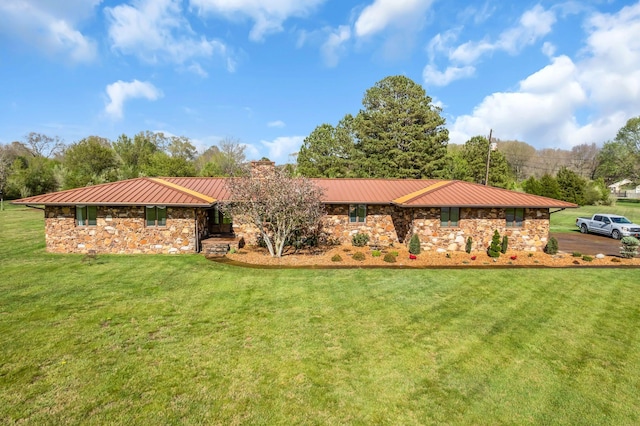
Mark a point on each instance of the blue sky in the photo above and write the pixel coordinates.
(554, 74)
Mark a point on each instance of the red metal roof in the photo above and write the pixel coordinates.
(204, 192)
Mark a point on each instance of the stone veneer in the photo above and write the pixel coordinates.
(387, 224)
(121, 230)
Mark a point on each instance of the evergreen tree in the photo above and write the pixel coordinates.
(414, 244)
(549, 187)
(494, 248)
(572, 186)
(400, 133)
(532, 186)
(475, 153)
(328, 151)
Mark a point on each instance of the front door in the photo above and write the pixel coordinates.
(219, 223)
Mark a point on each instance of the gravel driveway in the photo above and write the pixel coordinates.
(590, 244)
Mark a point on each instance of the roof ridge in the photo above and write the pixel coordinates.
(183, 189)
(413, 195)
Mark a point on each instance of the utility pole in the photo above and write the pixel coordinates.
(486, 178)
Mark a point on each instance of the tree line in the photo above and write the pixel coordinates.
(40, 163)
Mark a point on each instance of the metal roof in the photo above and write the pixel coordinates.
(205, 191)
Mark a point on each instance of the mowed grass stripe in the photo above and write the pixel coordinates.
(178, 339)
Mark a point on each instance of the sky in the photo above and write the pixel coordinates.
(265, 73)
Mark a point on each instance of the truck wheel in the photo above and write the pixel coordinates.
(615, 234)
(584, 229)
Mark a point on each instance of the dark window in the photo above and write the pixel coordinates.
(515, 217)
(357, 213)
(449, 216)
(156, 215)
(86, 215)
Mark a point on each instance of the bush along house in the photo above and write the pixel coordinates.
(180, 215)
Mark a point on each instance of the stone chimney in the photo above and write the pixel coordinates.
(261, 168)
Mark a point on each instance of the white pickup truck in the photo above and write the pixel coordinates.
(608, 224)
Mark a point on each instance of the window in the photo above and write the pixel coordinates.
(449, 216)
(156, 216)
(216, 217)
(86, 215)
(357, 213)
(515, 217)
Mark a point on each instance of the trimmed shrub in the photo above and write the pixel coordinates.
(629, 247)
(552, 246)
(359, 256)
(576, 254)
(376, 253)
(505, 244)
(389, 257)
(336, 258)
(494, 248)
(468, 245)
(414, 244)
(587, 258)
(360, 239)
(395, 253)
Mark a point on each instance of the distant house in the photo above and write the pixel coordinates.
(175, 215)
(615, 187)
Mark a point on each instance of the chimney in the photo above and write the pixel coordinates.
(261, 168)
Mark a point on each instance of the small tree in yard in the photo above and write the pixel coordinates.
(276, 204)
(629, 247)
(494, 248)
(414, 244)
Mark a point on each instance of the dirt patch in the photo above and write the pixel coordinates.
(327, 258)
(590, 244)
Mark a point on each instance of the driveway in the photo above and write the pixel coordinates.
(590, 244)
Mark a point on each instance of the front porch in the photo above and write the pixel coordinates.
(219, 245)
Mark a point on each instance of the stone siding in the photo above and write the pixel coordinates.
(120, 230)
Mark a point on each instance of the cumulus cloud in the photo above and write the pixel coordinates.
(267, 15)
(334, 47)
(276, 123)
(384, 13)
(121, 91)
(280, 148)
(604, 84)
(157, 31)
(50, 28)
(533, 25)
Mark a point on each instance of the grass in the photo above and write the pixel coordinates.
(565, 221)
(181, 340)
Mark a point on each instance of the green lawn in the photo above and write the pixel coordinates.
(181, 340)
(565, 221)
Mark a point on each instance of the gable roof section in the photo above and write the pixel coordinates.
(204, 192)
(131, 192)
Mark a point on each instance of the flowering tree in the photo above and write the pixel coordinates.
(277, 204)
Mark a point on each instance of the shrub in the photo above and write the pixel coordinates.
(360, 239)
(376, 253)
(505, 244)
(241, 243)
(530, 255)
(395, 253)
(629, 247)
(616, 260)
(587, 258)
(336, 258)
(389, 257)
(414, 244)
(468, 245)
(494, 248)
(552, 246)
(576, 254)
(359, 256)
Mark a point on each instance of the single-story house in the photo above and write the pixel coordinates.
(175, 215)
(615, 187)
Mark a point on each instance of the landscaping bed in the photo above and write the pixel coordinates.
(328, 257)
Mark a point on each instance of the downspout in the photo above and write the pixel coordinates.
(197, 235)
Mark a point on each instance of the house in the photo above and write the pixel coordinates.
(615, 187)
(175, 215)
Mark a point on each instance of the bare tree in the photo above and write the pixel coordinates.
(42, 145)
(276, 204)
(584, 159)
(519, 155)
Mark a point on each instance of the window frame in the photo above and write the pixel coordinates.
(449, 223)
(514, 222)
(154, 222)
(356, 217)
(84, 215)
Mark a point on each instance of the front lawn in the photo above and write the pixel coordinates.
(181, 340)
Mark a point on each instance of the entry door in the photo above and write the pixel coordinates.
(219, 223)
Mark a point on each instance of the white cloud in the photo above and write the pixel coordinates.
(267, 15)
(50, 28)
(383, 13)
(156, 30)
(276, 123)
(280, 148)
(121, 91)
(333, 47)
(432, 76)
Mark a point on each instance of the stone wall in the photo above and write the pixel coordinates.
(120, 230)
(388, 225)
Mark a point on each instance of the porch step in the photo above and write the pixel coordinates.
(218, 246)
